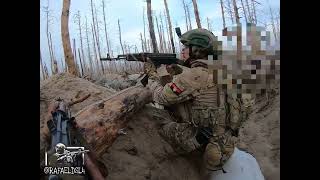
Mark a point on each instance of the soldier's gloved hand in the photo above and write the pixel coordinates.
(153, 84)
(174, 69)
(149, 67)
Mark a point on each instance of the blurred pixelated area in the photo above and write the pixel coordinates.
(248, 64)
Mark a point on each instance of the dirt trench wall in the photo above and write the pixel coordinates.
(142, 154)
(260, 136)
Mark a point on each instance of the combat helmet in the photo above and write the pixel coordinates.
(201, 38)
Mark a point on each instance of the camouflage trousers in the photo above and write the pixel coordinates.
(218, 151)
(182, 137)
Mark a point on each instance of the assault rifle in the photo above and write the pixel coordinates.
(156, 58)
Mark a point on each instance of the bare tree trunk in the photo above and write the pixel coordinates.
(46, 71)
(51, 57)
(160, 38)
(55, 63)
(93, 33)
(75, 56)
(278, 24)
(63, 67)
(129, 51)
(105, 27)
(196, 13)
(80, 34)
(135, 49)
(120, 36)
(249, 12)
(163, 39)
(48, 39)
(273, 23)
(185, 14)
(66, 38)
(168, 35)
(236, 14)
(151, 28)
(144, 32)
(174, 35)
(97, 26)
(81, 64)
(149, 45)
(230, 11)
(244, 11)
(94, 48)
(142, 43)
(189, 17)
(88, 46)
(170, 26)
(125, 47)
(42, 69)
(254, 11)
(222, 11)
(96, 34)
(163, 34)
(239, 42)
(110, 45)
(239, 31)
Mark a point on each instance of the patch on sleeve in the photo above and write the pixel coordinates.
(175, 88)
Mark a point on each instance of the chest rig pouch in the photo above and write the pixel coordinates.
(208, 111)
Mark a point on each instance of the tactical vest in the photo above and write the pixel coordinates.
(210, 107)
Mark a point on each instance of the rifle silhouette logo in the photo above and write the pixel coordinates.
(66, 154)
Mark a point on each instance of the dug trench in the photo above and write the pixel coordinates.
(139, 152)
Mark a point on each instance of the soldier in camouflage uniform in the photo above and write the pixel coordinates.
(192, 96)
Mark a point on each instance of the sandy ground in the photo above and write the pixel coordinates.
(260, 136)
(142, 154)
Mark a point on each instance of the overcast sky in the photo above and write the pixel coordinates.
(129, 12)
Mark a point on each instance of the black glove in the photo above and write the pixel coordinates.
(203, 135)
(143, 80)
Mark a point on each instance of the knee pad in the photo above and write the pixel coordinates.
(213, 156)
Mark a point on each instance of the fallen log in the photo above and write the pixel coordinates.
(101, 114)
(99, 124)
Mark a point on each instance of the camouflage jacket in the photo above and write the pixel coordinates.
(191, 95)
